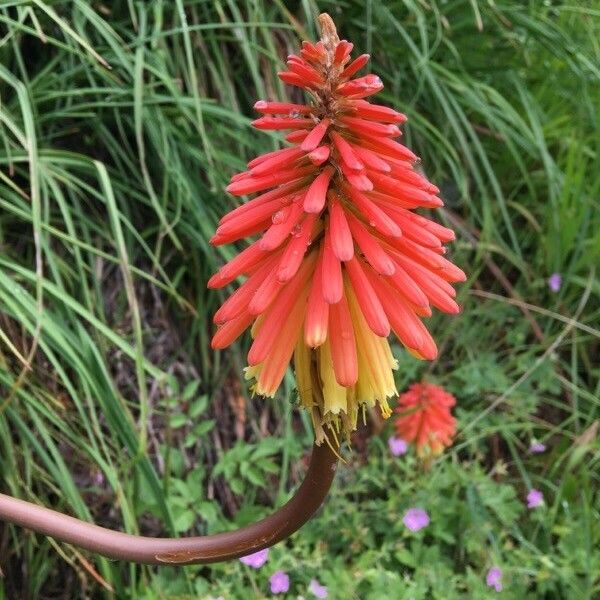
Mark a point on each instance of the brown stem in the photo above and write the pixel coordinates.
(194, 550)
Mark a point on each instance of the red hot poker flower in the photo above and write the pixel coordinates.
(425, 418)
(341, 260)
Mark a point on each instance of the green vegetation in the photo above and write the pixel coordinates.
(120, 124)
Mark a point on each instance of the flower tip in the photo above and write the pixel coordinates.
(414, 353)
(260, 105)
(264, 245)
(319, 155)
(395, 232)
(460, 274)
(332, 294)
(348, 378)
(214, 282)
(454, 309)
(315, 339)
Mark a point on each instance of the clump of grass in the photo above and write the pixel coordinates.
(119, 125)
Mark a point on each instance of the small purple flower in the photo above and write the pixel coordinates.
(256, 560)
(494, 578)
(537, 447)
(280, 582)
(535, 498)
(397, 446)
(415, 519)
(317, 590)
(554, 282)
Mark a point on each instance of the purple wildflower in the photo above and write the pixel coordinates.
(317, 590)
(554, 282)
(494, 578)
(280, 582)
(415, 519)
(537, 447)
(535, 498)
(397, 446)
(256, 560)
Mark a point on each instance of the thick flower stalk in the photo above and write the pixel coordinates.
(341, 259)
(425, 418)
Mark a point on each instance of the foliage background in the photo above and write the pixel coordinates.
(120, 123)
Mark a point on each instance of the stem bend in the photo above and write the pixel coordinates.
(183, 551)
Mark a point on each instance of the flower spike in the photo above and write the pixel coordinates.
(342, 259)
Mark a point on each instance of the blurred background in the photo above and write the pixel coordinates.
(120, 124)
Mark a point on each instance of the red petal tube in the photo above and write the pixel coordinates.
(342, 52)
(367, 110)
(341, 237)
(362, 87)
(284, 158)
(256, 184)
(288, 294)
(346, 152)
(371, 128)
(314, 200)
(313, 139)
(319, 155)
(317, 309)
(296, 249)
(343, 345)
(368, 299)
(375, 216)
(377, 257)
(356, 65)
(268, 123)
(280, 108)
(332, 282)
